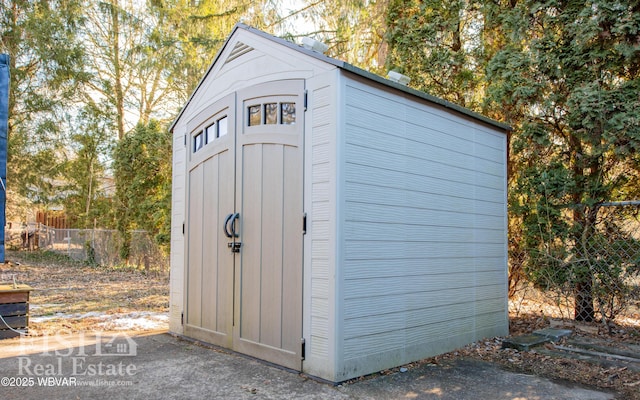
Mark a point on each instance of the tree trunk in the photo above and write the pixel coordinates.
(584, 310)
(117, 67)
(583, 303)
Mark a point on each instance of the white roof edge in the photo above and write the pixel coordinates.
(347, 67)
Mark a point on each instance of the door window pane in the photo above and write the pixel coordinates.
(210, 133)
(198, 142)
(288, 111)
(222, 127)
(255, 116)
(271, 113)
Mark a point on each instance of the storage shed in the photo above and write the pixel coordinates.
(332, 221)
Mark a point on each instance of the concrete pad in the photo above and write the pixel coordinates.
(160, 366)
(467, 379)
(524, 342)
(553, 334)
(163, 367)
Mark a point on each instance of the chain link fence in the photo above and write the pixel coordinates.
(103, 247)
(590, 272)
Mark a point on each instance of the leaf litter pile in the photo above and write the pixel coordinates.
(71, 297)
(608, 373)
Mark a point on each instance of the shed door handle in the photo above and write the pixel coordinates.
(234, 217)
(226, 224)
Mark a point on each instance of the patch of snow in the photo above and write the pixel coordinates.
(137, 321)
(38, 306)
(59, 315)
(142, 320)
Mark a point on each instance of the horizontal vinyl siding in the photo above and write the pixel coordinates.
(389, 302)
(424, 263)
(374, 288)
(371, 190)
(440, 326)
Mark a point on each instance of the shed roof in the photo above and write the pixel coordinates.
(347, 67)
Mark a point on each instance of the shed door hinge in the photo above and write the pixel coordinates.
(183, 228)
(304, 223)
(304, 348)
(185, 140)
(306, 99)
(182, 318)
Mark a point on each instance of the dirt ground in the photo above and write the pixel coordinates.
(72, 297)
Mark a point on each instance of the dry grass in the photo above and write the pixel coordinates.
(71, 297)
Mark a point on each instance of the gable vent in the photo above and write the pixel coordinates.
(238, 50)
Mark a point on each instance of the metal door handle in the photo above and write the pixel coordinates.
(234, 246)
(234, 217)
(226, 224)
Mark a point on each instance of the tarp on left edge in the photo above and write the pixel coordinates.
(4, 127)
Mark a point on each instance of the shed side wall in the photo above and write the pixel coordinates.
(320, 244)
(423, 263)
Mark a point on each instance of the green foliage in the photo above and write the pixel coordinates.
(86, 194)
(185, 36)
(91, 254)
(142, 164)
(569, 78)
(46, 71)
(439, 45)
(354, 30)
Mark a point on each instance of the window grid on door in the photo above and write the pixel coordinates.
(271, 113)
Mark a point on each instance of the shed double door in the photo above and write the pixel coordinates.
(243, 283)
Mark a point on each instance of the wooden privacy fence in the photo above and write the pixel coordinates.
(53, 219)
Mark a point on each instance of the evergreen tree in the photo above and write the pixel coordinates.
(46, 71)
(439, 45)
(142, 165)
(570, 76)
(354, 30)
